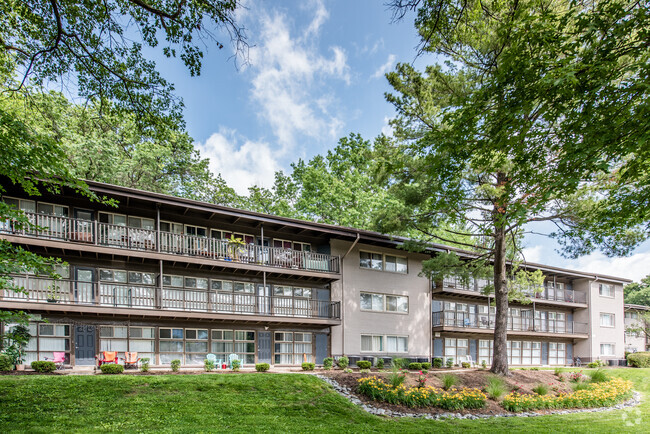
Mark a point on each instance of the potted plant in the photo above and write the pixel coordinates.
(52, 294)
(17, 339)
(235, 247)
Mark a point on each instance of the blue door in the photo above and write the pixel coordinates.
(84, 339)
(264, 347)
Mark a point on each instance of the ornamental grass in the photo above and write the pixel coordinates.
(429, 396)
(597, 395)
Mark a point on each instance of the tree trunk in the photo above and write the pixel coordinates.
(500, 349)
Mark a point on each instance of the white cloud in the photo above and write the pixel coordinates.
(289, 79)
(632, 267)
(242, 163)
(387, 130)
(383, 69)
(533, 254)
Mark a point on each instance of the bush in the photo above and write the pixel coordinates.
(307, 366)
(262, 367)
(236, 364)
(399, 363)
(449, 381)
(534, 368)
(144, 365)
(348, 371)
(208, 364)
(581, 385)
(541, 389)
(396, 378)
(364, 364)
(437, 362)
(176, 365)
(380, 363)
(424, 371)
(596, 364)
(495, 387)
(450, 363)
(599, 376)
(415, 366)
(466, 365)
(483, 364)
(5, 363)
(328, 362)
(639, 360)
(343, 362)
(43, 366)
(111, 368)
(426, 365)
(558, 371)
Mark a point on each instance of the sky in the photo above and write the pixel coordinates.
(315, 73)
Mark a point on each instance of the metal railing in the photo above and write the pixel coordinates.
(45, 290)
(485, 321)
(125, 237)
(562, 295)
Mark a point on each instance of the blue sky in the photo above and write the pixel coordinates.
(315, 73)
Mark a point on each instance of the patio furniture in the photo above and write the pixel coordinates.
(58, 359)
(106, 357)
(131, 360)
(212, 358)
(232, 357)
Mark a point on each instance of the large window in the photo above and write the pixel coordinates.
(113, 338)
(378, 261)
(372, 343)
(485, 351)
(45, 340)
(556, 353)
(607, 320)
(456, 349)
(239, 342)
(292, 348)
(171, 344)
(631, 315)
(607, 349)
(606, 290)
(142, 341)
(384, 302)
(196, 346)
(122, 288)
(384, 344)
(291, 301)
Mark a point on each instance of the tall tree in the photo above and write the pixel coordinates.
(638, 292)
(482, 148)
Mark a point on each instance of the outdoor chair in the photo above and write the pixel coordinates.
(106, 357)
(212, 358)
(232, 357)
(131, 360)
(58, 359)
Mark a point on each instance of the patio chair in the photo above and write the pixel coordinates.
(131, 360)
(212, 358)
(232, 357)
(106, 357)
(58, 359)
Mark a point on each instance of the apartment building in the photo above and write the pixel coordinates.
(635, 341)
(173, 278)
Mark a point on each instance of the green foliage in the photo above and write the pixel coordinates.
(343, 362)
(426, 365)
(308, 366)
(495, 387)
(595, 364)
(448, 381)
(348, 371)
(449, 363)
(175, 364)
(396, 378)
(208, 365)
(437, 362)
(328, 362)
(639, 360)
(43, 366)
(235, 364)
(364, 364)
(466, 365)
(144, 364)
(415, 366)
(599, 376)
(262, 367)
(399, 363)
(541, 389)
(638, 293)
(580, 385)
(111, 368)
(5, 363)
(483, 364)
(380, 363)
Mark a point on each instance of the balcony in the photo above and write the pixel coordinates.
(88, 232)
(476, 287)
(153, 301)
(484, 322)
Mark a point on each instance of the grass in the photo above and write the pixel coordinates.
(249, 403)
(495, 387)
(598, 376)
(541, 389)
(448, 381)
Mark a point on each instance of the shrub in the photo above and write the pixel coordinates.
(426, 365)
(396, 378)
(348, 371)
(558, 371)
(448, 381)
(425, 396)
(380, 363)
(415, 366)
(576, 377)
(307, 366)
(534, 368)
(236, 364)
(449, 363)
(364, 371)
(466, 365)
(399, 363)
(176, 365)
(208, 365)
(437, 362)
(262, 367)
(144, 365)
(5, 363)
(596, 364)
(599, 376)
(580, 386)
(639, 360)
(43, 366)
(328, 362)
(111, 368)
(343, 362)
(541, 389)
(495, 387)
(364, 364)
(424, 371)
(484, 364)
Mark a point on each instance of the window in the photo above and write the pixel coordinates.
(606, 290)
(117, 276)
(372, 343)
(21, 204)
(556, 353)
(174, 281)
(239, 342)
(607, 349)
(457, 349)
(607, 320)
(196, 346)
(112, 219)
(396, 264)
(141, 223)
(46, 338)
(397, 344)
(370, 260)
(384, 303)
(377, 261)
(53, 210)
(485, 351)
(292, 348)
(631, 315)
(113, 338)
(141, 340)
(171, 344)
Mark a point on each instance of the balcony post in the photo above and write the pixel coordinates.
(95, 231)
(158, 230)
(157, 299)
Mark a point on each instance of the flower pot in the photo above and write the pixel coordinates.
(52, 300)
(20, 367)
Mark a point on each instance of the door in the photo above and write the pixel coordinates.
(84, 338)
(323, 297)
(82, 229)
(263, 299)
(321, 347)
(264, 347)
(84, 289)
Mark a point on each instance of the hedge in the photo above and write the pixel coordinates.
(5, 363)
(639, 360)
(262, 367)
(415, 366)
(364, 364)
(307, 366)
(112, 368)
(43, 366)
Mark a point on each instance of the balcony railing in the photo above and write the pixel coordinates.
(124, 237)
(561, 295)
(111, 295)
(484, 321)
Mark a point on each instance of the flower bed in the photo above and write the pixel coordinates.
(376, 389)
(598, 395)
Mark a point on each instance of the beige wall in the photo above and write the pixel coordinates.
(346, 339)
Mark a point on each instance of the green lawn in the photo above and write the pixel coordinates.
(245, 402)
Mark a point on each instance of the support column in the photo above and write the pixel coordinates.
(158, 298)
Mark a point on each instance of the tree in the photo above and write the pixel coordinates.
(638, 293)
(642, 326)
(484, 145)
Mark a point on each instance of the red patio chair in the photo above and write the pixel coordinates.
(131, 360)
(107, 357)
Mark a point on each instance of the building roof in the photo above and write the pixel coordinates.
(335, 231)
(636, 307)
